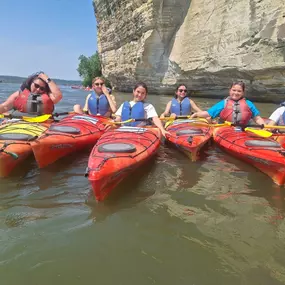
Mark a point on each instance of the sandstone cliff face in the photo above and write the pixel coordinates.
(203, 43)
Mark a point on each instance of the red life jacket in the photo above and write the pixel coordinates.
(236, 112)
(27, 102)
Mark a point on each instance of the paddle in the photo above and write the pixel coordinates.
(267, 127)
(24, 118)
(183, 117)
(261, 133)
(131, 121)
(38, 119)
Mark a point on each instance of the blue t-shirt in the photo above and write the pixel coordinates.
(215, 110)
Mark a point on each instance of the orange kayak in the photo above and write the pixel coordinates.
(15, 139)
(264, 153)
(117, 153)
(71, 134)
(189, 136)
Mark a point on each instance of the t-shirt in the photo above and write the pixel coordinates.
(276, 115)
(215, 110)
(149, 110)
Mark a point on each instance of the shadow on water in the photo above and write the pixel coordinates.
(136, 188)
(75, 163)
(259, 185)
(22, 169)
(178, 170)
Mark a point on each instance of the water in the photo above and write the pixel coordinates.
(215, 221)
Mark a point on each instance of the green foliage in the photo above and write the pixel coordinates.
(88, 68)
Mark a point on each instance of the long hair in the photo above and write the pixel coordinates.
(28, 82)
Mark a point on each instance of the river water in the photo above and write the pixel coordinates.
(215, 221)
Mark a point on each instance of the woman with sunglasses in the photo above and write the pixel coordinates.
(181, 104)
(37, 95)
(235, 108)
(99, 101)
(138, 108)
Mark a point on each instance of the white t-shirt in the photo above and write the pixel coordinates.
(275, 116)
(149, 110)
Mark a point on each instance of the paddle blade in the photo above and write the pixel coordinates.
(261, 133)
(38, 119)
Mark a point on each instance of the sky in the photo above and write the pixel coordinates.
(46, 35)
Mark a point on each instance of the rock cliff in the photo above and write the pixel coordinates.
(203, 43)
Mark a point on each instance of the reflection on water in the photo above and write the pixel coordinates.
(215, 221)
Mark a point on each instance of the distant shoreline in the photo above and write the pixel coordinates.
(19, 79)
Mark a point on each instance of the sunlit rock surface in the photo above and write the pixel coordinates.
(203, 43)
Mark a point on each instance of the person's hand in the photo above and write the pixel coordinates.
(107, 127)
(43, 76)
(164, 133)
(105, 90)
(173, 116)
(162, 116)
(193, 116)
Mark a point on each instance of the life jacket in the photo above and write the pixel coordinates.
(30, 103)
(98, 105)
(135, 112)
(236, 112)
(281, 121)
(180, 108)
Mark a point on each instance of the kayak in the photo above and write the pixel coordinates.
(15, 138)
(189, 136)
(72, 133)
(265, 154)
(117, 153)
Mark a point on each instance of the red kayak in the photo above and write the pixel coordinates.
(189, 136)
(73, 133)
(264, 153)
(117, 153)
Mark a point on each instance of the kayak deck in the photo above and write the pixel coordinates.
(117, 153)
(189, 136)
(265, 154)
(71, 134)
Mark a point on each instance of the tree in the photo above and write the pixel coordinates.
(88, 68)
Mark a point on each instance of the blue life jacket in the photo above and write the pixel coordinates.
(135, 112)
(98, 104)
(281, 121)
(180, 108)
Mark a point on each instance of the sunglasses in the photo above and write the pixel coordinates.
(182, 90)
(37, 86)
(99, 84)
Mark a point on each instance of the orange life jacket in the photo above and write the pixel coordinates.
(236, 112)
(27, 102)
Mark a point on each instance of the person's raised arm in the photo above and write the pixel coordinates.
(112, 103)
(55, 93)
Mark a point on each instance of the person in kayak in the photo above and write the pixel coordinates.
(99, 101)
(181, 104)
(138, 108)
(235, 108)
(278, 116)
(37, 95)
